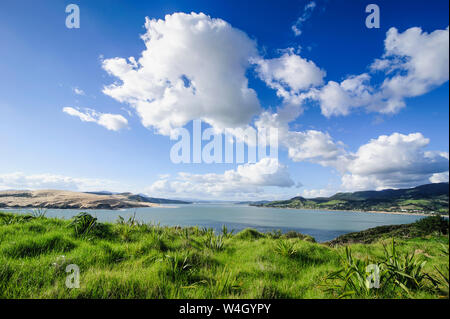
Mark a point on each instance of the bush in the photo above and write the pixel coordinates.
(285, 248)
(83, 224)
(294, 234)
(214, 242)
(398, 275)
(249, 233)
(432, 223)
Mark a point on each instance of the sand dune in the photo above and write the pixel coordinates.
(67, 199)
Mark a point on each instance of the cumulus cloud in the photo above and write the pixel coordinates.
(193, 67)
(339, 98)
(414, 63)
(113, 122)
(313, 193)
(408, 72)
(317, 147)
(389, 161)
(394, 161)
(439, 177)
(309, 145)
(290, 72)
(19, 181)
(247, 180)
(418, 60)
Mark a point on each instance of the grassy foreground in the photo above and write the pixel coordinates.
(133, 260)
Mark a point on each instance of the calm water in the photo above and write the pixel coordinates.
(322, 225)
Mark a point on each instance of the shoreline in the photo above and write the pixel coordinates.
(81, 208)
(356, 211)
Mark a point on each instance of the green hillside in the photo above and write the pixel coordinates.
(429, 198)
(128, 259)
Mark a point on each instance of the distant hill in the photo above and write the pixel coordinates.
(142, 198)
(260, 202)
(429, 198)
(67, 199)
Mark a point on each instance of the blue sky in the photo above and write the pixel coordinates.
(343, 138)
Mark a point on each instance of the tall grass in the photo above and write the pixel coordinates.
(129, 259)
(399, 275)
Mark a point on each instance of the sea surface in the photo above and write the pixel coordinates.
(322, 225)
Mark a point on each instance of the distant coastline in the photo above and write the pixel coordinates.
(352, 211)
(423, 200)
(57, 199)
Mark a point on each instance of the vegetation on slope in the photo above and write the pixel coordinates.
(128, 259)
(430, 198)
(421, 228)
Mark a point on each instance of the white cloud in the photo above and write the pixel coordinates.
(394, 161)
(414, 63)
(309, 145)
(439, 178)
(193, 67)
(418, 59)
(313, 193)
(248, 180)
(339, 98)
(20, 181)
(78, 91)
(390, 161)
(289, 72)
(314, 146)
(113, 122)
(307, 11)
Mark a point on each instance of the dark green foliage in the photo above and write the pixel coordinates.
(294, 234)
(249, 233)
(83, 224)
(399, 275)
(214, 242)
(9, 219)
(285, 248)
(432, 224)
(430, 198)
(423, 227)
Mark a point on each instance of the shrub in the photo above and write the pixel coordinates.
(225, 232)
(431, 224)
(249, 233)
(84, 224)
(178, 265)
(9, 219)
(351, 279)
(285, 248)
(294, 234)
(406, 272)
(395, 272)
(214, 242)
(442, 280)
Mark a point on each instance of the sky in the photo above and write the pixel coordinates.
(100, 107)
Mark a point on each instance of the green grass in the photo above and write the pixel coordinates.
(129, 259)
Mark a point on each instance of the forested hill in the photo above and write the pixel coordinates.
(429, 198)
